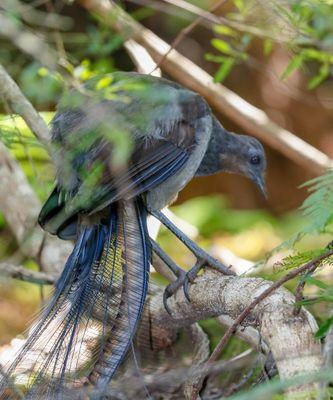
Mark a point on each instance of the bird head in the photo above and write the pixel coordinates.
(245, 155)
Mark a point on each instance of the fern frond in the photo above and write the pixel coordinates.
(295, 260)
(318, 207)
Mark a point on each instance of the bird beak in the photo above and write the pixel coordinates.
(260, 182)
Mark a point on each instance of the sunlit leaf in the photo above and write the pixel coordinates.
(103, 82)
(222, 46)
(224, 70)
(224, 30)
(214, 58)
(295, 63)
(239, 4)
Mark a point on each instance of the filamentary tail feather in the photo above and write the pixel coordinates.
(89, 323)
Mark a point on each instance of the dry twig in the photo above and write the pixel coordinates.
(185, 32)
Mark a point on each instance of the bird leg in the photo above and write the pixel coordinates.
(203, 258)
(178, 272)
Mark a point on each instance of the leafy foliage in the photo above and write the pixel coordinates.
(319, 204)
(295, 260)
(304, 27)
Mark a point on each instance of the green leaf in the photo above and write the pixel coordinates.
(319, 78)
(318, 206)
(293, 65)
(324, 327)
(222, 46)
(313, 281)
(268, 47)
(214, 58)
(295, 260)
(239, 4)
(224, 70)
(103, 83)
(224, 30)
(43, 72)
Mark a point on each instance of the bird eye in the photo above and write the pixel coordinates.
(255, 160)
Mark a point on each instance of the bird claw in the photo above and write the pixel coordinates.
(171, 289)
(186, 279)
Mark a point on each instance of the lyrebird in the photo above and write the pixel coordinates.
(124, 145)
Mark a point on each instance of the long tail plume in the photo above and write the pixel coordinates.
(86, 329)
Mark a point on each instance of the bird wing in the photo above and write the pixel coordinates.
(152, 161)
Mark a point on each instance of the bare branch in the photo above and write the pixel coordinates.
(22, 106)
(18, 272)
(290, 338)
(32, 15)
(27, 42)
(188, 29)
(141, 58)
(224, 100)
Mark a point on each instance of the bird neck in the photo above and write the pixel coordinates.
(211, 162)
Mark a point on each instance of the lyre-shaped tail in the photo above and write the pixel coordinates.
(89, 323)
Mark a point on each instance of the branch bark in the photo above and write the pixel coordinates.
(289, 337)
(222, 99)
(21, 105)
(9, 270)
(21, 207)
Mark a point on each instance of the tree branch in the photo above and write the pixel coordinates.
(18, 272)
(290, 338)
(22, 106)
(21, 207)
(224, 100)
(310, 266)
(27, 42)
(141, 58)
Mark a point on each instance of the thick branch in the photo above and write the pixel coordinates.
(224, 100)
(289, 337)
(20, 207)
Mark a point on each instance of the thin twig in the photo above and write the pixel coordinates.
(245, 313)
(186, 31)
(209, 19)
(300, 288)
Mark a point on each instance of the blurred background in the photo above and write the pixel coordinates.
(257, 56)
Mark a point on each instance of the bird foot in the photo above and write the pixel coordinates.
(185, 279)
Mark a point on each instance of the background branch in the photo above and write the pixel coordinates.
(249, 117)
(27, 42)
(20, 207)
(21, 105)
(9, 270)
